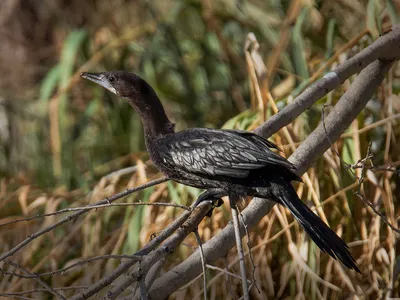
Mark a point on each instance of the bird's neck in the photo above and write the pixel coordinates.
(152, 114)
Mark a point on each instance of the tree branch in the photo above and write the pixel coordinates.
(386, 47)
(168, 247)
(344, 112)
(77, 214)
(95, 206)
(216, 247)
(38, 280)
(239, 247)
(124, 267)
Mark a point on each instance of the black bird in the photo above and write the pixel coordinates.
(225, 162)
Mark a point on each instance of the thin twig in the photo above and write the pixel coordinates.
(16, 294)
(228, 278)
(236, 225)
(164, 234)
(78, 213)
(122, 268)
(17, 297)
(250, 286)
(88, 207)
(80, 262)
(361, 164)
(169, 246)
(154, 272)
(121, 172)
(203, 262)
(362, 196)
(371, 205)
(232, 263)
(142, 287)
(38, 280)
(249, 246)
(371, 126)
(224, 271)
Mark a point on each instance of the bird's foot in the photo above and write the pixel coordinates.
(213, 195)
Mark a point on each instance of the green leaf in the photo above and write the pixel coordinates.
(330, 38)
(49, 83)
(232, 123)
(373, 21)
(173, 193)
(348, 150)
(298, 46)
(47, 88)
(136, 223)
(394, 16)
(66, 68)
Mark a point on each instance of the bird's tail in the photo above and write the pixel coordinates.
(325, 238)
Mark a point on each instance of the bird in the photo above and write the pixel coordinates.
(231, 163)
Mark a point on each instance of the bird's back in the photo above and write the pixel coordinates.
(207, 158)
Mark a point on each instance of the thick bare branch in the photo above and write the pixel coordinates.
(124, 267)
(213, 249)
(168, 247)
(386, 47)
(345, 111)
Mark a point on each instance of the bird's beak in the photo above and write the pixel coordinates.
(100, 79)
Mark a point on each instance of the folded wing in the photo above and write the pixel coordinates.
(221, 153)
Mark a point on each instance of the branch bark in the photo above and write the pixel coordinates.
(168, 247)
(124, 267)
(344, 112)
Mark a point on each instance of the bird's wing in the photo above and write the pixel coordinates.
(220, 152)
(255, 138)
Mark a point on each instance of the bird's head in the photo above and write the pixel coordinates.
(139, 94)
(121, 83)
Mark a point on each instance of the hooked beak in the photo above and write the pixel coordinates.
(100, 79)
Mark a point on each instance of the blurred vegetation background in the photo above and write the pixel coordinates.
(60, 137)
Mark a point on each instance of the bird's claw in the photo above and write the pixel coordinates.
(213, 195)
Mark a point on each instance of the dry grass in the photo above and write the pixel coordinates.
(288, 264)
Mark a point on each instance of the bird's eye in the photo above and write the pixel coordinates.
(111, 78)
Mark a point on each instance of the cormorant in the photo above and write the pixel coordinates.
(225, 162)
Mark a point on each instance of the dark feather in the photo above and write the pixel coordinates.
(227, 153)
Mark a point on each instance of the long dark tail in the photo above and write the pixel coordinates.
(325, 238)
